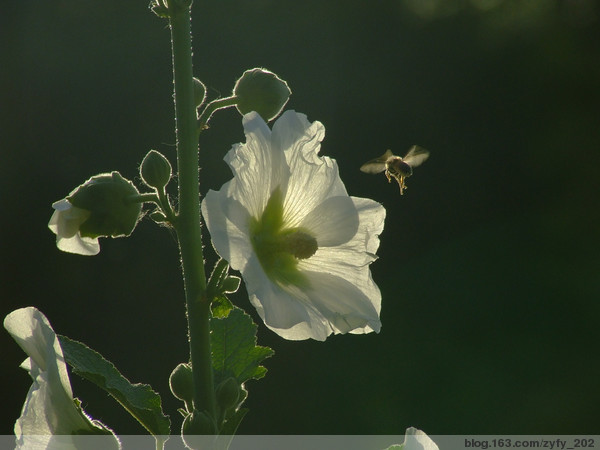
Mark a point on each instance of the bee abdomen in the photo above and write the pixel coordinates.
(399, 167)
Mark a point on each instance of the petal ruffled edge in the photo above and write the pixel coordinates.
(313, 178)
(258, 168)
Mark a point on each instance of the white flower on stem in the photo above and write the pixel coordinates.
(49, 408)
(286, 222)
(417, 440)
(65, 223)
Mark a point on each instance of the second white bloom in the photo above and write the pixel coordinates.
(286, 222)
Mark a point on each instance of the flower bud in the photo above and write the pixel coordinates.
(108, 198)
(194, 426)
(182, 383)
(228, 393)
(155, 170)
(199, 92)
(262, 91)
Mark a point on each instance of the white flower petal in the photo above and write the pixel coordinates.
(312, 178)
(418, 440)
(49, 407)
(62, 205)
(280, 309)
(65, 223)
(256, 167)
(330, 305)
(342, 304)
(371, 218)
(78, 245)
(32, 331)
(294, 134)
(66, 219)
(349, 260)
(333, 222)
(228, 225)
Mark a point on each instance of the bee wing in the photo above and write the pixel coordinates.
(376, 165)
(416, 156)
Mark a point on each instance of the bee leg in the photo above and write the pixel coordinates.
(400, 180)
(387, 174)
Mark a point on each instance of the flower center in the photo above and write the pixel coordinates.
(278, 248)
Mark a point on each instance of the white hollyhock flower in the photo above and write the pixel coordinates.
(417, 440)
(286, 222)
(65, 223)
(49, 408)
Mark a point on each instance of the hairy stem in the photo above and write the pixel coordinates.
(188, 220)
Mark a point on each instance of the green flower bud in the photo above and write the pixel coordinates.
(228, 393)
(182, 383)
(155, 170)
(194, 426)
(199, 92)
(110, 200)
(261, 91)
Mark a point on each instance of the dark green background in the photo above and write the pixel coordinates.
(489, 265)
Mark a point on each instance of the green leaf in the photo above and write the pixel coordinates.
(221, 306)
(234, 349)
(231, 425)
(138, 399)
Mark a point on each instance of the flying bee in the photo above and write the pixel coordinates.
(395, 166)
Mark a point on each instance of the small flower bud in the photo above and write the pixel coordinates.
(155, 170)
(228, 393)
(262, 91)
(199, 92)
(182, 383)
(194, 426)
(108, 198)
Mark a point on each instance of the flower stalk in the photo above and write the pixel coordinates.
(212, 107)
(187, 224)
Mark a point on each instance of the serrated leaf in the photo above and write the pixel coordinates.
(221, 306)
(234, 349)
(138, 399)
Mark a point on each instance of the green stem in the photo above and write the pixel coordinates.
(213, 106)
(143, 198)
(165, 205)
(188, 220)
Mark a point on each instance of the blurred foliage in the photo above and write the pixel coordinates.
(488, 265)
